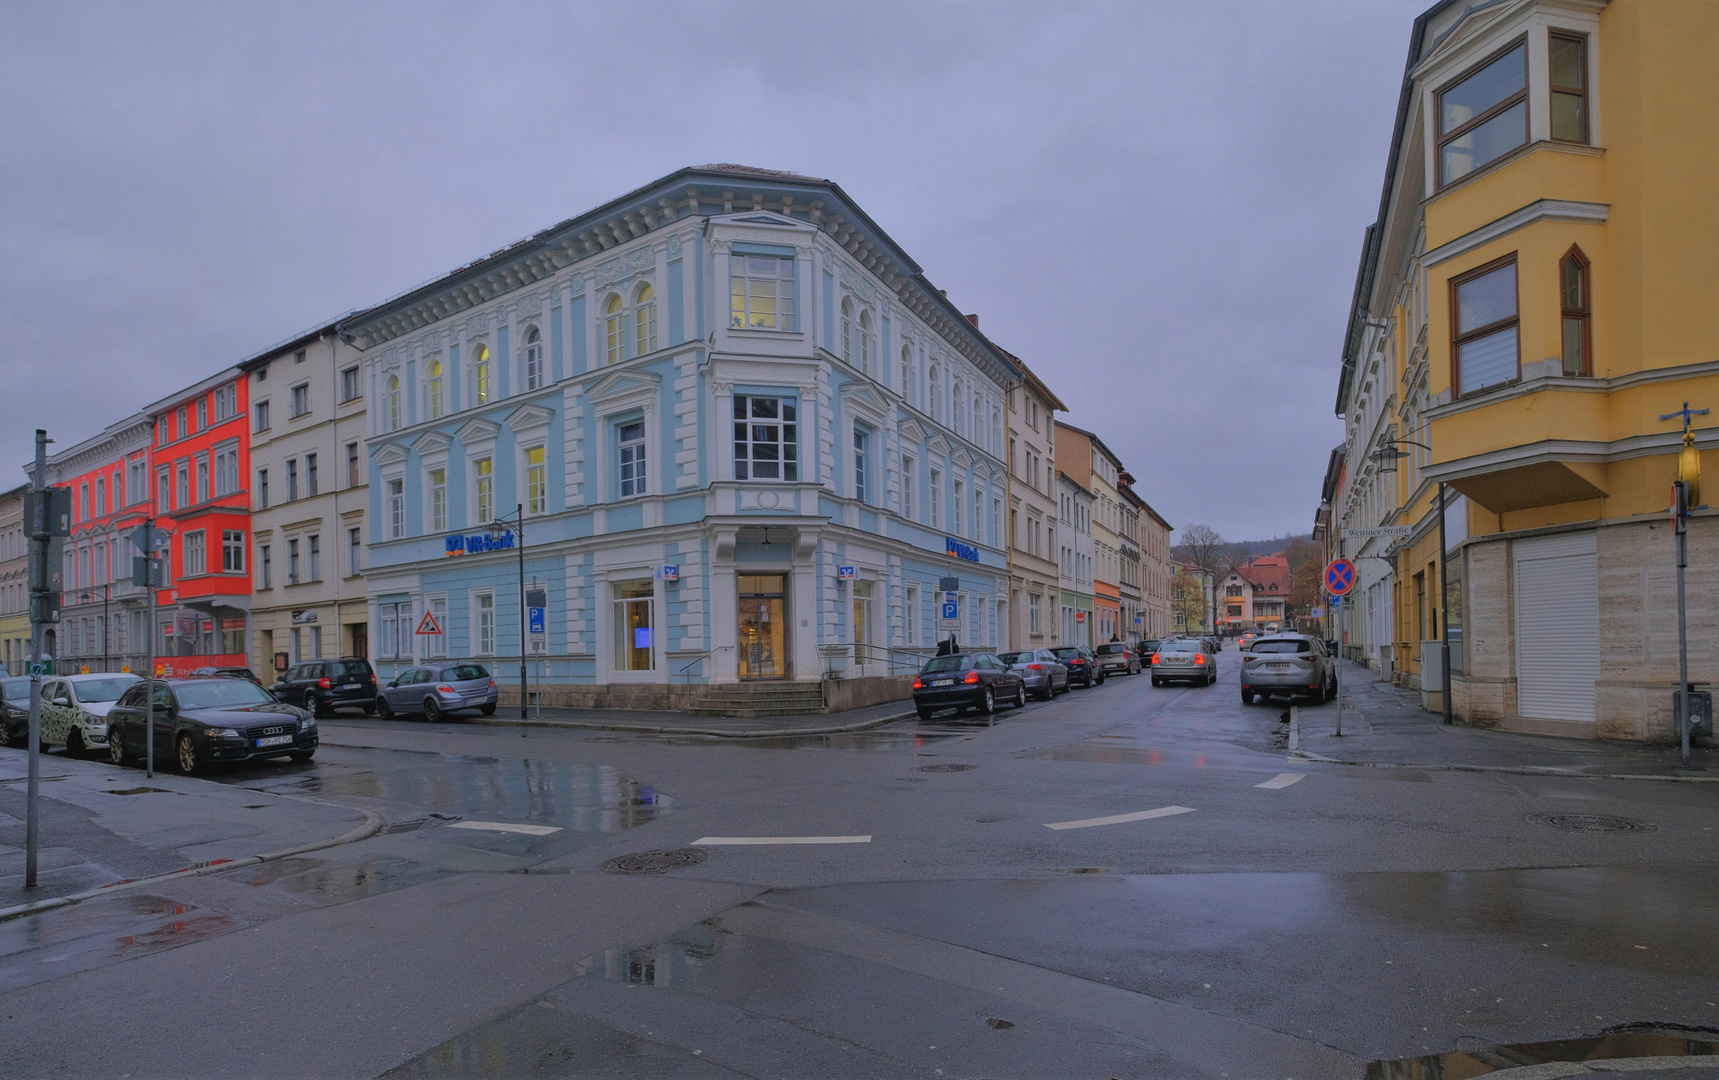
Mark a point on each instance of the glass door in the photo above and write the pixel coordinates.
(863, 653)
(763, 626)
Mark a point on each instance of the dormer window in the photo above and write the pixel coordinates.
(1484, 115)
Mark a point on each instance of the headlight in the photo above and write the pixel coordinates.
(307, 724)
(223, 733)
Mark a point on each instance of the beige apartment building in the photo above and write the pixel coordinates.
(309, 498)
(1153, 615)
(1090, 464)
(1033, 573)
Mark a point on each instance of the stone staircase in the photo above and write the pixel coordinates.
(760, 699)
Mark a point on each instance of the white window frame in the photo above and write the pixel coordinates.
(485, 620)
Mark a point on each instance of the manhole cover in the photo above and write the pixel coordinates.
(655, 862)
(1591, 823)
(946, 768)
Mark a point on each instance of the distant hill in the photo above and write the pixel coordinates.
(1241, 549)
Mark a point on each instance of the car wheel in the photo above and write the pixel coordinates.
(116, 750)
(186, 756)
(988, 702)
(925, 714)
(1330, 690)
(75, 744)
(302, 756)
(321, 709)
(487, 710)
(1247, 697)
(370, 709)
(1101, 678)
(1021, 696)
(432, 711)
(1156, 681)
(383, 709)
(1048, 692)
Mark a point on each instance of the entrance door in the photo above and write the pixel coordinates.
(864, 654)
(763, 626)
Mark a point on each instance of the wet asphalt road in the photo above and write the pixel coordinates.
(1333, 918)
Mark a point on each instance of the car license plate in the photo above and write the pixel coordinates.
(349, 686)
(275, 740)
(1277, 667)
(942, 682)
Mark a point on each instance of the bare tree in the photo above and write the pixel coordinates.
(1202, 546)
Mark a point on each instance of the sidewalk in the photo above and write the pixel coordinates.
(1385, 725)
(102, 825)
(646, 722)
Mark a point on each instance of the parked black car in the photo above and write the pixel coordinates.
(1082, 664)
(200, 721)
(226, 673)
(15, 710)
(966, 681)
(325, 685)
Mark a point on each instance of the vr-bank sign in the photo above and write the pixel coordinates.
(477, 543)
(957, 550)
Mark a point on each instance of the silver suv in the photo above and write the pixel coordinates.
(1293, 665)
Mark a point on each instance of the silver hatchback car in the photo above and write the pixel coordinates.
(1293, 665)
(1040, 670)
(438, 690)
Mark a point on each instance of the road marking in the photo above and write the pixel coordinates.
(1282, 780)
(506, 826)
(1162, 811)
(708, 840)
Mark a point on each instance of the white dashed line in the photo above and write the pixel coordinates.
(1162, 811)
(1282, 780)
(506, 826)
(709, 840)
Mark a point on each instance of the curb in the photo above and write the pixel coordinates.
(1555, 1070)
(650, 729)
(1519, 770)
(371, 826)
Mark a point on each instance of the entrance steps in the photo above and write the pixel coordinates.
(760, 699)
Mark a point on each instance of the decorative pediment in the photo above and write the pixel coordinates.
(478, 430)
(529, 416)
(432, 442)
(866, 399)
(389, 454)
(1477, 19)
(623, 384)
(938, 445)
(911, 431)
(961, 457)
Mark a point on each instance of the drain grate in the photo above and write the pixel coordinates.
(655, 862)
(946, 768)
(1591, 823)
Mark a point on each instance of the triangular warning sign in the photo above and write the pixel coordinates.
(428, 624)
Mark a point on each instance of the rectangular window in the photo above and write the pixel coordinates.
(436, 645)
(202, 414)
(909, 508)
(233, 551)
(227, 470)
(1484, 340)
(936, 498)
(630, 438)
(910, 618)
(163, 492)
(184, 484)
(300, 399)
(1034, 602)
(955, 505)
(349, 383)
(352, 480)
(859, 464)
(1483, 116)
(761, 292)
(635, 645)
(262, 489)
(316, 643)
(137, 481)
(310, 474)
(101, 496)
(395, 623)
(226, 403)
(486, 624)
(164, 431)
(354, 551)
(766, 438)
(1569, 85)
(203, 478)
(292, 562)
(196, 553)
(262, 408)
(438, 500)
(396, 509)
(484, 469)
(292, 479)
(313, 555)
(536, 481)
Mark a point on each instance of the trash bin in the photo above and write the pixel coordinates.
(1700, 711)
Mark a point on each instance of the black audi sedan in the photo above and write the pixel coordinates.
(202, 721)
(966, 681)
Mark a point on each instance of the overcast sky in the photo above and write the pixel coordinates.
(1158, 206)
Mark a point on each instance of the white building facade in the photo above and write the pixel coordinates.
(747, 439)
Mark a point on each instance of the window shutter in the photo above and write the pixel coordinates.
(1557, 626)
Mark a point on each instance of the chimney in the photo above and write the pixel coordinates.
(974, 319)
(944, 293)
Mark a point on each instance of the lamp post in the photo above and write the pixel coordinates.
(1386, 458)
(1685, 495)
(498, 530)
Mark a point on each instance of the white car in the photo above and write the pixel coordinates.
(74, 709)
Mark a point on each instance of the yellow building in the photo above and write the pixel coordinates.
(1537, 292)
(14, 583)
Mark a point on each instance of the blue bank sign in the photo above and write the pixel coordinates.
(478, 543)
(957, 550)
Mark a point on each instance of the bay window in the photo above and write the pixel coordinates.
(1484, 341)
(1483, 116)
(766, 438)
(761, 292)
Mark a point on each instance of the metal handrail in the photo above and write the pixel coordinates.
(699, 659)
(889, 655)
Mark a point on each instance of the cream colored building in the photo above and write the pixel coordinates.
(1090, 464)
(309, 497)
(1032, 522)
(14, 582)
(1154, 569)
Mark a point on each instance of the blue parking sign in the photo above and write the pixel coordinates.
(951, 609)
(539, 624)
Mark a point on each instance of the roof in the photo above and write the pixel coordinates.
(1072, 482)
(322, 330)
(1032, 380)
(1108, 452)
(1266, 573)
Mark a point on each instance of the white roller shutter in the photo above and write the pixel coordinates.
(1557, 626)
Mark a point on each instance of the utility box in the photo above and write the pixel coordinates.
(1432, 667)
(1700, 713)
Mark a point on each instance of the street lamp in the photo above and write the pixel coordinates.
(498, 530)
(1385, 457)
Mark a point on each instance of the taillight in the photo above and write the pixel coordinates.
(1035, 667)
(918, 683)
(972, 678)
(323, 684)
(1154, 658)
(372, 680)
(444, 689)
(1199, 658)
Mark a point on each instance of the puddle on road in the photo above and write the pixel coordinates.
(577, 796)
(343, 883)
(1639, 1043)
(172, 935)
(883, 739)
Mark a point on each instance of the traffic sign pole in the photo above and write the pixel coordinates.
(39, 530)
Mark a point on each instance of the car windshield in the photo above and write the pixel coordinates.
(1015, 657)
(1180, 646)
(1282, 645)
(1067, 652)
(221, 694)
(1112, 650)
(465, 672)
(15, 689)
(947, 663)
(352, 669)
(94, 690)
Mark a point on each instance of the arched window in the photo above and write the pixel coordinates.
(978, 416)
(865, 342)
(934, 392)
(907, 371)
(614, 331)
(533, 359)
(392, 394)
(645, 320)
(955, 396)
(996, 430)
(434, 376)
(847, 330)
(1577, 307)
(482, 388)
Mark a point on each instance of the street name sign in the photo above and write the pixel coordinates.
(1381, 530)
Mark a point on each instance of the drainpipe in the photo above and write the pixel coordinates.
(1444, 584)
